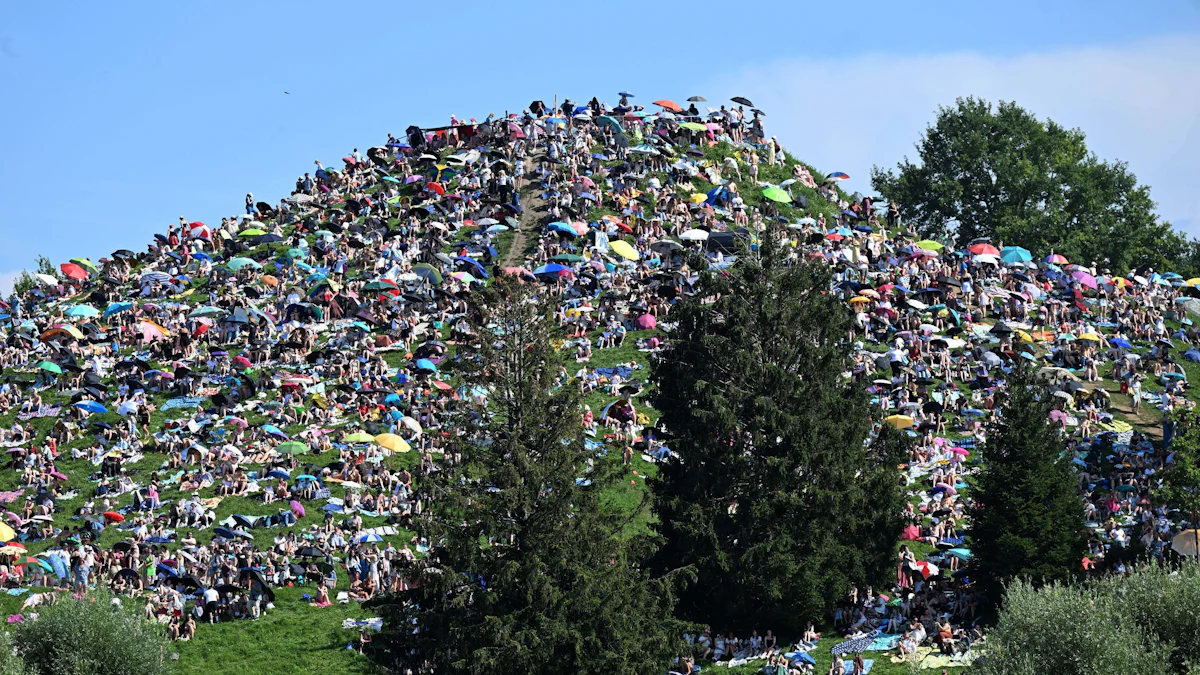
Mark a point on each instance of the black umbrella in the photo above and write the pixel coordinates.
(697, 99)
(742, 100)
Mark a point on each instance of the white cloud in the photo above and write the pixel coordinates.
(1139, 103)
(7, 279)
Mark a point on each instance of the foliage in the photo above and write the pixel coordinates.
(1027, 521)
(1068, 630)
(1181, 478)
(92, 636)
(25, 280)
(1003, 173)
(1163, 602)
(774, 497)
(11, 662)
(528, 571)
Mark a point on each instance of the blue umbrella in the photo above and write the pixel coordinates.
(202, 256)
(272, 429)
(467, 260)
(224, 532)
(1015, 254)
(552, 268)
(117, 307)
(368, 538)
(426, 364)
(281, 475)
(392, 398)
(563, 228)
(91, 406)
(494, 229)
(1120, 342)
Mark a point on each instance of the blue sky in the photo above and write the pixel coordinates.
(120, 117)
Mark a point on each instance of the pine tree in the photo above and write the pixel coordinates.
(775, 499)
(529, 571)
(1027, 521)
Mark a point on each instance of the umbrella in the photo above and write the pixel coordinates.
(82, 311)
(50, 367)
(777, 195)
(359, 437)
(73, 271)
(91, 406)
(368, 537)
(1015, 254)
(669, 105)
(900, 421)
(392, 442)
(742, 100)
(113, 517)
(1187, 543)
(838, 176)
(694, 235)
(646, 322)
(292, 448)
(623, 249)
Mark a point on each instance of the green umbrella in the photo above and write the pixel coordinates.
(252, 232)
(694, 126)
(567, 257)
(292, 448)
(427, 271)
(777, 195)
(359, 437)
(50, 367)
(84, 262)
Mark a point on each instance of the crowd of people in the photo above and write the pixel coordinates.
(284, 360)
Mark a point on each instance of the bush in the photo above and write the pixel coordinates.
(92, 636)
(1164, 603)
(11, 662)
(1067, 630)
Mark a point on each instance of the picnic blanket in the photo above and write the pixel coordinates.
(181, 402)
(848, 666)
(854, 645)
(44, 411)
(884, 642)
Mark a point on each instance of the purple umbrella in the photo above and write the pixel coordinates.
(1084, 278)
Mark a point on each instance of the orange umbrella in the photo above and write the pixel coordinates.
(270, 280)
(436, 187)
(113, 517)
(669, 105)
(74, 271)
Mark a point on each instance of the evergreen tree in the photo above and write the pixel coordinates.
(775, 498)
(1027, 521)
(529, 570)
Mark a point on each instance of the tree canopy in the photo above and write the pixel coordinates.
(1027, 522)
(774, 496)
(530, 570)
(1001, 172)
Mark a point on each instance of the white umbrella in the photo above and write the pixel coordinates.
(46, 279)
(694, 235)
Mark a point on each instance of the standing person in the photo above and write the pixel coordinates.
(250, 208)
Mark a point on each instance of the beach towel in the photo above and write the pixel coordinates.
(182, 402)
(848, 666)
(854, 645)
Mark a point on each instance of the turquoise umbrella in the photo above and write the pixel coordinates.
(117, 307)
(82, 310)
(238, 263)
(1015, 254)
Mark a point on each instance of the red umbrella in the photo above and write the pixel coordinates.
(441, 385)
(669, 105)
(113, 517)
(242, 361)
(984, 249)
(834, 237)
(435, 187)
(74, 271)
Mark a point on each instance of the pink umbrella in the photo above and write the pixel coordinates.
(238, 421)
(947, 487)
(58, 475)
(242, 361)
(911, 533)
(297, 509)
(1058, 416)
(960, 451)
(646, 322)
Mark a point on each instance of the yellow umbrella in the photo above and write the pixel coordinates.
(392, 442)
(900, 421)
(1122, 282)
(1185, 543)
(623, 249)
(859, 299)
(698, 198)
(6, 533)
(11, 550)
(1091, 337)
(1025, 337)
(1192, 282)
